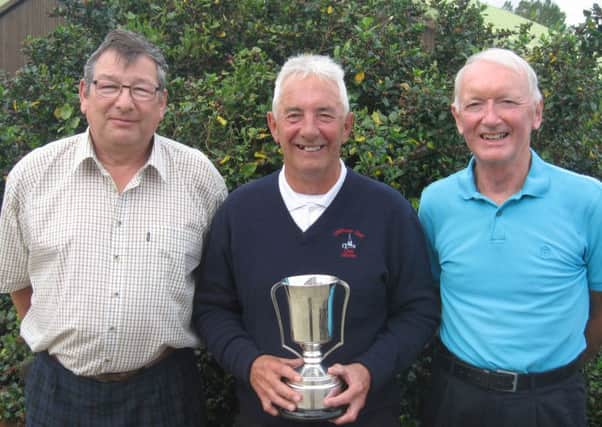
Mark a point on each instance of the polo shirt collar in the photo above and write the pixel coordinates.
(294, 200)
(536, 183)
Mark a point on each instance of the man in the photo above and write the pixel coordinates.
(298, 221)
(516, 245)
(99, 235)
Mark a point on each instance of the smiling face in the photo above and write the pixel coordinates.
(310, 124)
(496, 114)
(122, 123)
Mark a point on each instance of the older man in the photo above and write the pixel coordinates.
(516, 245)
(99, 235)
(315, 216)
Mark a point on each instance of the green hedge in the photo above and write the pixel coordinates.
(224, 56)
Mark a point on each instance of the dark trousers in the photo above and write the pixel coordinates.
(168, 394)
(456, 403)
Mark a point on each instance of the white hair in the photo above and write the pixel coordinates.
(311, 65)
(503, 57)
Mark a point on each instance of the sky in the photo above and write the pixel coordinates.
(572, 8)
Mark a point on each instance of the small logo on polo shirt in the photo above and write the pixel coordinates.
(349, 240)
(545, 251)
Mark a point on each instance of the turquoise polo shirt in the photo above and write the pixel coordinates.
(515, 278)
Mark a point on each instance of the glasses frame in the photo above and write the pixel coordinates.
(129, 87)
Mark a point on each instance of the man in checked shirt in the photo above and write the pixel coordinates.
(99, 234)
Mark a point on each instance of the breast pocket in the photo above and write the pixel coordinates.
(172, 253)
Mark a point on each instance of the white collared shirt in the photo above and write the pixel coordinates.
(305, 209)
(111, 272)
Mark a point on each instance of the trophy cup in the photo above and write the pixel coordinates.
(310, 306)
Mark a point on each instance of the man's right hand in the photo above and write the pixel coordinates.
(267, 373)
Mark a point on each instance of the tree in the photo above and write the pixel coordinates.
(544, 13)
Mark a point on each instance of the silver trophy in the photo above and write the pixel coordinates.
(310, 304)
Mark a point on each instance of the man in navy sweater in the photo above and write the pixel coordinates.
(315, 216)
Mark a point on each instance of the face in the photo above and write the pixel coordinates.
(310, 125)
(497, 114)
(121, 122)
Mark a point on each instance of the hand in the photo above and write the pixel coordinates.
(266, 379)
(358, 381)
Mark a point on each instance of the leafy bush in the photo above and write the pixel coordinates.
(400, 58)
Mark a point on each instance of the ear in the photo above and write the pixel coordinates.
(83, 98)
(458, 119)
(162, 103)
(271, 119)
(348, 126)
(538, 118)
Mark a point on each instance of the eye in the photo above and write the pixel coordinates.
(473, 106)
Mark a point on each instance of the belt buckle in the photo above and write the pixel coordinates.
(514, 379)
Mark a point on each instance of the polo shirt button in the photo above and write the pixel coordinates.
(498, 213)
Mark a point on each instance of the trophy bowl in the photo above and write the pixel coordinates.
(310, 300)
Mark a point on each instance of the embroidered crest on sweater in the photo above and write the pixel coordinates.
(350, 240)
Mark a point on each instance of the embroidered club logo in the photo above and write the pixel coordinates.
(349, 240)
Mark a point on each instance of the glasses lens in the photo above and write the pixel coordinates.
(107, 88)
(140, 91)
(143, 92)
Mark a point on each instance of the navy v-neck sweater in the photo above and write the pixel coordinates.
(369, 236)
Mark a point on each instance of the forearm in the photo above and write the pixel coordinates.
(22, 300)
(593, 330)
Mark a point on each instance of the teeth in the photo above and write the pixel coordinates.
(495, 136)
(310, 148)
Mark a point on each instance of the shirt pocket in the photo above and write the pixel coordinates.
(171, 254)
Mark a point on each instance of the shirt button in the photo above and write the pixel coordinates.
(116, 257)
(107, 360)
(118, 223)
(115, 294)
(498, 213)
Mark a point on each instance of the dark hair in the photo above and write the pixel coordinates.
(129, 46)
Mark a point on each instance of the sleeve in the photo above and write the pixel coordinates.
(413, 305)
(13, 250)
(217, 313)
(429, 231)
(593, 255)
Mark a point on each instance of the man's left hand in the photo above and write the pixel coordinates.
(357, 377)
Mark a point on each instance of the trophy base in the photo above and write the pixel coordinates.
(312, 414)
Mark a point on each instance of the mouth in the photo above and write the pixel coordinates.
(494, 136)
(310, 148)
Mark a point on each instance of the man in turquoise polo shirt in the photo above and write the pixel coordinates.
(516, 245)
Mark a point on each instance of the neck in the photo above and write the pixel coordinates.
(122, 163)
(311, 183)
(500, 182)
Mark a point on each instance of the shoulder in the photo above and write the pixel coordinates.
(192, 165)
(579, 183)
(374, 193)
(255, 192)
(34, 164)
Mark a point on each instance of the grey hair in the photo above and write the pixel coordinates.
(311, 65)
(129, 46)
(503, 57)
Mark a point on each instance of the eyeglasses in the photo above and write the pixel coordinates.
(139, 92)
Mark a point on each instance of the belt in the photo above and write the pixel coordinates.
(502, 380)
(123, 376)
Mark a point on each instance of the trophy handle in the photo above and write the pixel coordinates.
(342, 340)
(279, 318)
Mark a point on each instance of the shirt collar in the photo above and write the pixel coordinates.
(85, 150)
(536, 183)
(294, 200)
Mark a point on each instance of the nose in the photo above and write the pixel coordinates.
(490, 114)
(309, 129)
(124, 99)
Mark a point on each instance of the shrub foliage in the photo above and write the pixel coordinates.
(400, 57)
